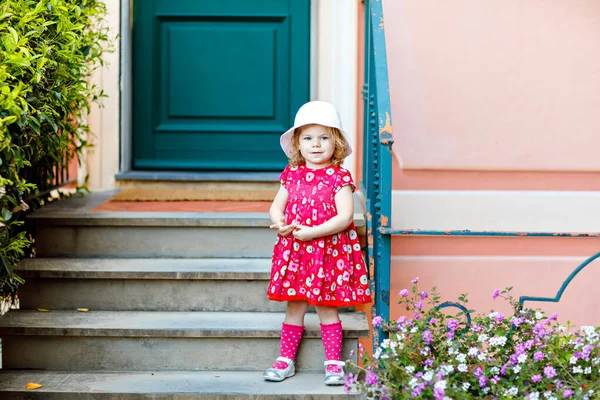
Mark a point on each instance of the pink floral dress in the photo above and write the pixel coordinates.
(326, 271)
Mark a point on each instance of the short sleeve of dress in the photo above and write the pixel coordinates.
(343, 179)
(284, 177)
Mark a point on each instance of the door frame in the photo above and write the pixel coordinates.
(333, 22)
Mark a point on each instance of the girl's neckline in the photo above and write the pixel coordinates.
(317, 169)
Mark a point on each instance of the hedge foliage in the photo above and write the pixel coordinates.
(48, 49)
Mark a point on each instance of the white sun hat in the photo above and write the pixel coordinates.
(314, 112)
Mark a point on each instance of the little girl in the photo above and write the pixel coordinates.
(317, 257)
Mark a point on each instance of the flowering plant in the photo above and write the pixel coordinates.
(432, 355)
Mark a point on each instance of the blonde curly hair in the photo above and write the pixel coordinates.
(340, 146)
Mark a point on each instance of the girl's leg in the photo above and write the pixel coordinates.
(291, 334)
(331, 333)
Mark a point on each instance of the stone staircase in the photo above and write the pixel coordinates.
(177, 310)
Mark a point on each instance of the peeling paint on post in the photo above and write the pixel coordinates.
(377, 160)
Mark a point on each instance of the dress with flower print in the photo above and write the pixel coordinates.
(325, 271)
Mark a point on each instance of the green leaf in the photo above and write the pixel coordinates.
(6, 215)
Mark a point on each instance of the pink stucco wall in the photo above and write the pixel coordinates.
(495, 85)
(496, 95)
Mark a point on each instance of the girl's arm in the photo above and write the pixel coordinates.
(277, 213)
(344, 203)
(278, 206)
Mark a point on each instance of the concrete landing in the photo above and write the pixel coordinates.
(206, 385)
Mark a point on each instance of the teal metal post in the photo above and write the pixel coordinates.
(377, 165)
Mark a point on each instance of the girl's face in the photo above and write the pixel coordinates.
(316, 145)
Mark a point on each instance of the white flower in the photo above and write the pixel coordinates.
(452, 350)
(413, 382)
(493, 314)
(461, 357)
(513, 391)
(440, 385)
(482, 356)
(377, 353)
(588, 370)
(494, 370)
(486, 390)
(425, 351)
(522, 357)
(483, 337)
(466, 386)
(473, 351)
(410, 369)
(596, 360)
(428, 376)
(446, 369)
(573, 360)
(534, 396)
(539, 315)
(2, 191)
(385, 344)
(547, 394)
(498, 341)
(561, 328)
(577, 370)
(462, 368)
(517, 369)
(414, 329)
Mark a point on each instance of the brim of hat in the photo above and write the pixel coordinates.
(286, 141)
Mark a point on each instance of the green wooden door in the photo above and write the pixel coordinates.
(215, 82)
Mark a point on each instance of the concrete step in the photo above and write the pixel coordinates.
(158, 284)
(175, 385)
(133, 341)
(71, 229)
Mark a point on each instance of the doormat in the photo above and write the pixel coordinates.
(140, 194)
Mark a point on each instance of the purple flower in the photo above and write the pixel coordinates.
(538, 356)
(418, 389)
(401, 320)
(371, 378)
(415, 280)
(427, 337)
(403, 293)
(377, 320)
(499, 317)
(495, 380)
(536, 378)
(478, 372)
(516, 321)
(496, 294)
(482, 381)
(450, 335)
(416, 316)
(503, 369)
(349, 380)
(553, 317)
(568, 393)
(419, 305)
(550, 372)
(423, 295)
(438, 393)
(418, 375)
(452, 324)
(428, 362)
(432, 321)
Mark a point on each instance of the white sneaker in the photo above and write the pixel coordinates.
(334, 378)
(277, 375)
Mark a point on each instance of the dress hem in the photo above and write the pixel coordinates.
(319, 303)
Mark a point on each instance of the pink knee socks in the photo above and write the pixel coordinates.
(290, 339)
(332, 342)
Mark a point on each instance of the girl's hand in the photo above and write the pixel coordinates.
(283, 229)
(304, 233)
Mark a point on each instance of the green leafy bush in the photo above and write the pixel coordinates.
(431, 355)
(48, 48)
